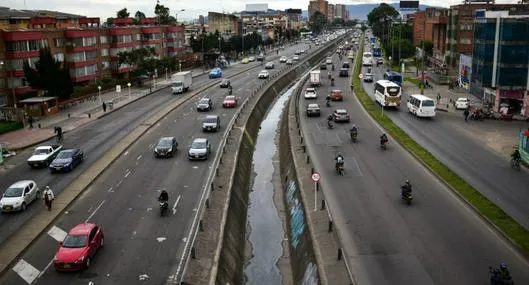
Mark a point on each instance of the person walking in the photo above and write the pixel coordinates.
(466, 113)
(30, 121)
(104, 107)
(48, 197)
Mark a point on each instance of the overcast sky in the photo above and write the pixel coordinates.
(193, 8)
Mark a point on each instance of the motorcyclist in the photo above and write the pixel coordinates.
(353, 131)
(332, 67)
(383, 139)
(516, 155)
(332, 81)
(501, 276)
(339, 160)
(329, 121)
(405, 188)
(164, 196)
(230, 89)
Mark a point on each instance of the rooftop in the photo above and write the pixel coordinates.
(8, 13)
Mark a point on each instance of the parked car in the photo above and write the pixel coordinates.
(263, 74)
(310, 93)
(79, 247)
(336, 95)
(166, 147)
(19, 195)
(229, 102)
(67, 160)
(462, 103)
(313, 110)
(344, 72)
(215, 73)
(225, 83)
(297, 52)
(205, 104)
(340, 115)
(283, 59)
(211, 123)
(269, 65)
(200, 149)
(43, 155)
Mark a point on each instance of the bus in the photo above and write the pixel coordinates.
(387, 93)
(376, 51)
(367, 59)
(393, 77)
(421, 106)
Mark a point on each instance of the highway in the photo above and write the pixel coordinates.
(451, 142)
(436, 240)
(139, 244)
(94, 139)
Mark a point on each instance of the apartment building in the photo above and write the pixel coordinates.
(228, 25)
(340, 12)
(431, 25)
(330, 12)
(319, 5)
(87, 49)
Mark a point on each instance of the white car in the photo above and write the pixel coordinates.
(290, 62)
(328, 61)
(263, 74)
(19, 195)
(462, 103)
(251, 58)
(283, 59)
(310, 93)
(295, 58)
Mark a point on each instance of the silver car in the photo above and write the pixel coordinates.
(200, 149)
(19, 195)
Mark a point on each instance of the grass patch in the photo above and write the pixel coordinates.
(6, 127)
(512, 229)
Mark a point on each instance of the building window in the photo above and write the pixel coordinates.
(103, 39)
(59, 57)
(83, 71)
(91, 41)
(104, 52)
(105, 65)
(82, 56)
(138, 37)
(21, 46)
(58, 42)
(122, 39)
(18, 64)
(15, 82)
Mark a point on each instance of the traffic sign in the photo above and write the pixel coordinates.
(315, 177)
(360, 76)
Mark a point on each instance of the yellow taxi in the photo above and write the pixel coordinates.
(245, 60)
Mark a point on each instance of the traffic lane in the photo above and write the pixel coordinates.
(126, 175)
(94, 139)
(483, 168)
(398, 237)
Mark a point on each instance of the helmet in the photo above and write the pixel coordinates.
(503, 265)
(47, 187)
(354, 126)
(408, 181)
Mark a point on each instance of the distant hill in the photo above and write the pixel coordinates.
(360, 11)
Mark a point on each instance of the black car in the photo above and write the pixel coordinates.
(67, 160)
(225, 83)
(345, 64)
(323, 66)
(166, 147)
(205, 104)
(344, 72)
(260, 58)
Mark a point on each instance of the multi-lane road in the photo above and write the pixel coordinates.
(449, 139)
(436, 240)
(139, 244)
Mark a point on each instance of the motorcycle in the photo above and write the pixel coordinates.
(230, 91)
(332, 82)
(354, 137)
(164, 206)
(339, 168)
(383, 144)
(406, 196)
(515, 163)
(328, 103)
(497, 278)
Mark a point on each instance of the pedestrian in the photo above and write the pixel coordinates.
(438, 97)
(30, 121)
(466, 113)
(48, 197)
(104, 107)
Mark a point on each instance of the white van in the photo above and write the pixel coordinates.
(421, 106)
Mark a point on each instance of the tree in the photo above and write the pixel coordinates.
(138, 16)
(140, 58)
(162, 13)
(406, 48)
(49, 75)
(317, 22)
(123, 13)
(380, 18)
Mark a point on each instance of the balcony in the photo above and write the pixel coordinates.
(77, 79)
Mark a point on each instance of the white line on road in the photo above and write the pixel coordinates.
(127, 152)
(26, 271)
(139, 157)
(93, 213)
(111, 189)
(119, 183)
(56, 233)
(127, 173)
(176, 204)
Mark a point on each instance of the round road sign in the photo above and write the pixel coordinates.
(315, 177)
(360, 76)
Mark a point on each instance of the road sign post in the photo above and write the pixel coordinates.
(315, 177)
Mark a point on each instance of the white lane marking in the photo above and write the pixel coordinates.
(143, 277)
(56, 233)
(127, 173)
(184, 240)
(195, 167)
(160, 239)
(127, 152)
(150, 146)
(176, 204)
(91, 283)
(111, 189)
(26, 271)
(95, 211)
(119, 183)
(139, 157)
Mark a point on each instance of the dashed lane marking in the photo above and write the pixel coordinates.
(139, 157)
(95, 211)
(176, 204)
(57, 233)
(26, 271)
(127, 152)
(127, 173)
(111, 189)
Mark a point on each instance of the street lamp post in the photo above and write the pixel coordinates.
(166, 74)
(219, 45)
(179, 65)
(128, 84)
(176, 15)
(99, 89)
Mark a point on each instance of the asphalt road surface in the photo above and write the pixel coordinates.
(447, 137)
(139, 244)
(436, 240)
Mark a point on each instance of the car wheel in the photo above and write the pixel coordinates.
(87, 263)
(23, 207)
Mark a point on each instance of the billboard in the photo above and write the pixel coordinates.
(409, 5)
(257, 7)
(465, 71)
(293, 11)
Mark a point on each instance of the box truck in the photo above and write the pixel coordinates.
(315, 78)
(181, 81)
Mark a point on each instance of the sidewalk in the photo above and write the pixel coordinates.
(78, 115)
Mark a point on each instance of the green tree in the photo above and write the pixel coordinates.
(407, 49)
(428, 46)
(49, 75)
(140, 58)
(380, 18)
(123, 13)
(162, 13)
(317, 22)
(138, 16)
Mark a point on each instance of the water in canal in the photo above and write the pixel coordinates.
(264, 224)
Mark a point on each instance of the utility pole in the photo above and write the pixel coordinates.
(423, 54)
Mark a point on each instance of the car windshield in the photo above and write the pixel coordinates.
(341, 112)
(177, 84)
(230, 98)
(41, 151)
(74, 241)
(204, 101)
(428, 103)
(198, 145)
(165, 142)
(224, 81)
(210, 120)
(13, 192)
(65, 154)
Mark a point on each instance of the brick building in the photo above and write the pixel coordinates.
(228, 25)
(330, 13)
(87, 49)
(319, 5)
(431, 25)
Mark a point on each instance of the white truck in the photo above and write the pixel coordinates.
(43, 155)
(315, 78)
(181, 81)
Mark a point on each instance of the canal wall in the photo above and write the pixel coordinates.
(218, 254)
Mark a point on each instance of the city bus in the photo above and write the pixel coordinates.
(367, 59)
(376, 51)
(393, 77)
(387, 93)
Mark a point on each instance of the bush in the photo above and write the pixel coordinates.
(6, 127)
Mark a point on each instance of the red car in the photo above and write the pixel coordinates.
(78, 247)
(229, 102)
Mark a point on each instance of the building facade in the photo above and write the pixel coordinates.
(431, 25)
(500, 63)
(330, 13)
(340, 12)
(87, 49)
(228, 25)
(318, 5)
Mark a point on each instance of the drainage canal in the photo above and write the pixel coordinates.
(265, 227)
